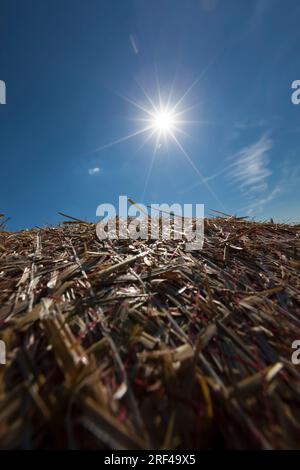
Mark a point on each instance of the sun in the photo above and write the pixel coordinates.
(164, 121)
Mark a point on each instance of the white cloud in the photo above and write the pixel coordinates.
(290, 178)
(250, 169)
(94, 171)
(257, 206)
(133, 43)
(250, 124)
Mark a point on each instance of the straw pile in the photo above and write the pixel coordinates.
(142, 345)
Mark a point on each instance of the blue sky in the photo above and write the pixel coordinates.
(72, 68)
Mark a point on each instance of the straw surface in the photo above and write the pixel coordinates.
(140, 344)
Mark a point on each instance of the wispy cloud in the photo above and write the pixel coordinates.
(290, 178)
(257, 205)
(250, 168)
(94, 171)
(250, 124)
(133, 43)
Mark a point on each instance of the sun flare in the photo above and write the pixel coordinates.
(164, 121)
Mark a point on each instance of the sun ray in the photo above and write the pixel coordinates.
(188, 109)
(139, 106)
(148, 97)
(189, 89)
(185, 121)
(151, 134)
(119, 141)
(172, 87)
(181, 131)
(220, 172)
(197, 170)
(186, 93)
(158, 88)
(151, 165)
(164, 121)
